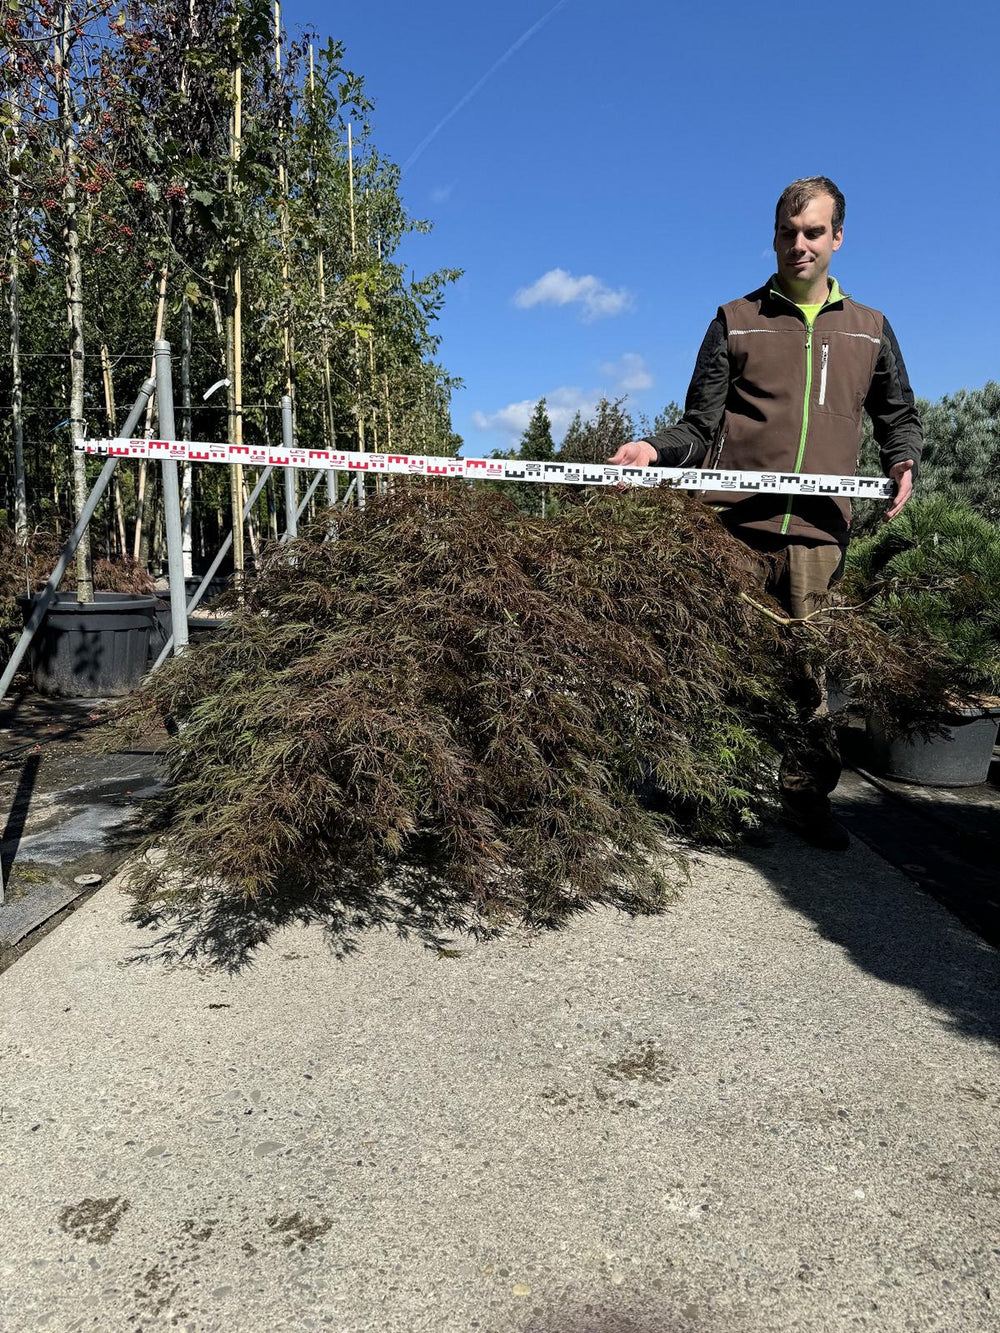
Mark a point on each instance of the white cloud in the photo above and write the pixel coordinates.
(630, 373)
(561, 404)
(440, 194)
(557, 287)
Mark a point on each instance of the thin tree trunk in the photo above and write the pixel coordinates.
(331, 476)
(286, 281)
(74, 289)
(14, 266)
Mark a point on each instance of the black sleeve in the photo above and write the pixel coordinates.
(891, 406)
(690, 440)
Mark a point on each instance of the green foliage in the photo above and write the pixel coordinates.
(158, 191)
(669, 416)
(596, 440)
(537, 444)
(443, 716)
(961, 457)
(935, 571)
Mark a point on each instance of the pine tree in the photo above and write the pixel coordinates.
(536, 442)
(596, 440)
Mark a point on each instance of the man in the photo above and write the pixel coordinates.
(779, 385)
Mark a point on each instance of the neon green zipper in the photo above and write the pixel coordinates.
(786, 521)
(833, 295)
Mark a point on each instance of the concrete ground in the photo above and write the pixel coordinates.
(70, 809)
(773, 1108)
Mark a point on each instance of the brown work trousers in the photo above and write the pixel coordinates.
(799, 576)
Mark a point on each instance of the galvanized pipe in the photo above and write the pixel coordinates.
(171, 497)
(287, 441)
(220, 555)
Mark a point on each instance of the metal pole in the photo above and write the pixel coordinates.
(48, 594)
(220, 555)
(313, 485)
(171, 497)
(287, 440)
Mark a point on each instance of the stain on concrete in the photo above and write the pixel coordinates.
(647, 1063)
(298, 1230)
(94, 1220)
(199, 1230)
(153, 1292)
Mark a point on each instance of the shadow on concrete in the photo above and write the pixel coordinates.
(943, 842)
(72, 807)
(18, 813)
(224, 931)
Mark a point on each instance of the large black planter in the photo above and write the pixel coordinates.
(960, 757)
(91, 650)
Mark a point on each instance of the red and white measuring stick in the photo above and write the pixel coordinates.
(496, 469)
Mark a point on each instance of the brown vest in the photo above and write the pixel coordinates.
(794, 405)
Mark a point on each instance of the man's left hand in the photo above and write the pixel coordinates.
(902, 475)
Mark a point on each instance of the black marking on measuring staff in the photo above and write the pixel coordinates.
(494, 469)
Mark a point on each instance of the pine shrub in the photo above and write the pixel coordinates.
(935, 572)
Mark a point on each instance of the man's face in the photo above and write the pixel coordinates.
(805, 243)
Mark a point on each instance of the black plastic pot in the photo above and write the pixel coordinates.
(958, 758)
(91, 650)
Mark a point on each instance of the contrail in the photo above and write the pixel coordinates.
(525, 36)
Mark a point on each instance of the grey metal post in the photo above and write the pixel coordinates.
(48, 594)
(287, 440)
(171, 497)
(220, 555)
(313, 485)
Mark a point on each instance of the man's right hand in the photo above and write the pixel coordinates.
(637, 453)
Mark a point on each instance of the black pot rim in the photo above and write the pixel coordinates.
(103, 602)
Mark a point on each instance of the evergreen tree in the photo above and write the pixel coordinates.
(596, 440)
(961, 457)
(669, 416)
(536, 442)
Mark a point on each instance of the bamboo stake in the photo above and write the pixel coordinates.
(112, 415)
(286, 281)
(357, 349)
(235, 348)
(331, 476)
(140, 502)
(187, 470)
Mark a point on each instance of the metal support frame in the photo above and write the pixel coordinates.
(220, 555)
(48, 594)
(171, 498)
(288, 442)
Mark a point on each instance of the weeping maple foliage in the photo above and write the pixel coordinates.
(439, 703)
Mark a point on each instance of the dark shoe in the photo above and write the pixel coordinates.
(814, 823)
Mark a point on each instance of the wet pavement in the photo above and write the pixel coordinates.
(69, 808)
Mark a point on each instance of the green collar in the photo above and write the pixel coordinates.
(833, 296)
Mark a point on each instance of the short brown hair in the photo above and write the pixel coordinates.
(794, 197)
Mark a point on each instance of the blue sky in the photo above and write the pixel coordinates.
(613, 180)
